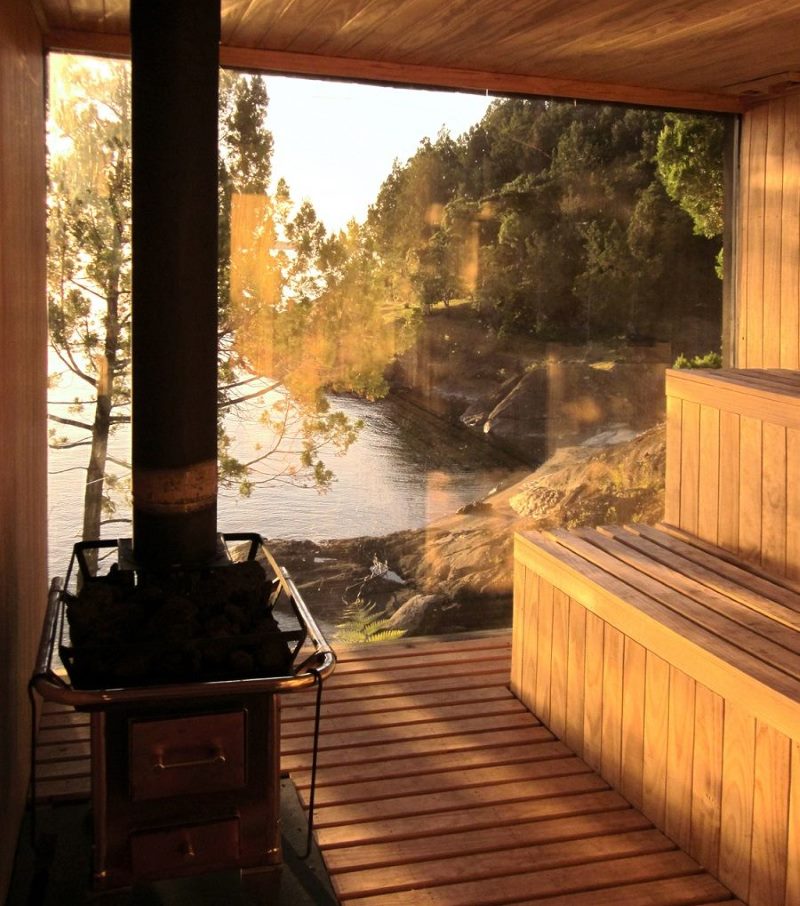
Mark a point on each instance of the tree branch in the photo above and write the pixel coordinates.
(69, 446)
(72, 365)
(250, 396)
(74, 423)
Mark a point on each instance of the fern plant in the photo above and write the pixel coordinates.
(709, 360)
(360, 623)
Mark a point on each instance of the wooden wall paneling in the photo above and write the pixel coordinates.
(656, 731)
(774, 498)
(770, 817)
(773, 215)
(750, 501)
(793, 503)
(690, 466)
(729, 435)
(576, 676)
(768, 259)
(544, 646)
(707, 778)
(680, 754)
(611, 739)
(754, 227)
(708, 487)
(793, 843)
(742, 304)
(518, 634)
(23, 397)
(531, 646)
(559, 664)
(633, 703)
(790, 237)
(593, 692)
(672, 489)
(738, 780)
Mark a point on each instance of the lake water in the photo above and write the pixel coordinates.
(406, 469)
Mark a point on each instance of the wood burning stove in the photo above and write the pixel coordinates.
(174, 651)
(185, 770)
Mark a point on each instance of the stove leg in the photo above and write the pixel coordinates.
(261, 885)
(99, 796)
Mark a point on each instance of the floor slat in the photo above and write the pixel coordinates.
(437, 788)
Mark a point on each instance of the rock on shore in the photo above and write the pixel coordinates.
(458, 571)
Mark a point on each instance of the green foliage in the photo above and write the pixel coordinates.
(261, 294)
(709, 360)
(89, 268)
(689, 161)
(361, 624)
(550, 219)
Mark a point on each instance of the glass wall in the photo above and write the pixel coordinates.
(443, 317)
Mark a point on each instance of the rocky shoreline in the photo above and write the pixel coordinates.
(580, 430)
(455, 575)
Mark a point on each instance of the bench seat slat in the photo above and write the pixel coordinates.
(713, 650)
(677, 573)
(755, 653)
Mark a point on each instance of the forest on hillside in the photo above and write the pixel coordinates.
(547, 220)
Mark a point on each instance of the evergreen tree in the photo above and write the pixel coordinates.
(89, 286)
(89, 266)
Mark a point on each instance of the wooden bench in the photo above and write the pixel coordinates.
(672, 668)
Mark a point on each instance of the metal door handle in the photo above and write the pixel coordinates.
(218, 757)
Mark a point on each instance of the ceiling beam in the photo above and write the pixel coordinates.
(311, 65)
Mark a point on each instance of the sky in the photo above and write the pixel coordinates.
(335, 142)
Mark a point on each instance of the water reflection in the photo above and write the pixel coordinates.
(405, 470)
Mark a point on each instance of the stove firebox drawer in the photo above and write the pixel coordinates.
(185, 850)
(183, 756)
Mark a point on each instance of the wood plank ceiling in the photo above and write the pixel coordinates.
(714, 54)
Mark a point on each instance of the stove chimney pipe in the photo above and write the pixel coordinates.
(175, 60)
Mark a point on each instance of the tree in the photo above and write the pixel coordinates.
(689, 160)
(89, 285)
(269, 281)
(550, 217)
(89, 259)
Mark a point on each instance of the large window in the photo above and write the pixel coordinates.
(443, 317)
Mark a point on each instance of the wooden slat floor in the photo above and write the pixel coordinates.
(436, 786)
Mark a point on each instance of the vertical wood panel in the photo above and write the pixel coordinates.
(750, 488)
(690, 466)
(729, 434)
(770, 817)
(531, 648)
(611, 742)
(773, 211)
(593, 692)
(23, 394)
(708, 491)
(558, 688)
(544, 645)
(707, 778)
(576, 676)
(738, 778)
(672, 487)
(742, 257)
(793, 503)
(680, 752)
(754, 229)
(793, 847)
(790, 233)
(633, 694)
(768, 260)
(521, 575)
(656, 724)
(773, 484)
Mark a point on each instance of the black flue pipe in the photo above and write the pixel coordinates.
(175, 74)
